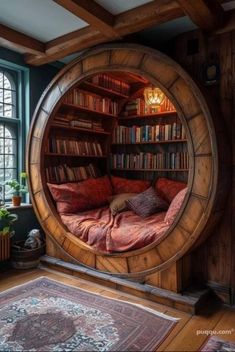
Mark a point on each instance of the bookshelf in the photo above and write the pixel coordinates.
(149, 143)
(99, 128)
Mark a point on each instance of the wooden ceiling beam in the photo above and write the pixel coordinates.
(145, 16)
(19, 41)
(92, 13)
(206, 14)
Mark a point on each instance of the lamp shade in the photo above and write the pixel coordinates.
(153, 96)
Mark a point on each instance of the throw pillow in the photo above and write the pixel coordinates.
(118, 202)
(168, 189)
(175, 206)
(125, 185)
(146, 203)
(81, 196)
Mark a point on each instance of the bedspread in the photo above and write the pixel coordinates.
(122, 232)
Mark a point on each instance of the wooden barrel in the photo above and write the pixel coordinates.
(208, 174)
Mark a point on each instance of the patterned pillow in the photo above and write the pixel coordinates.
(147, 203)
(168, 189)
(85, 195)
(125, 185)
(118, 202)
(175, 206)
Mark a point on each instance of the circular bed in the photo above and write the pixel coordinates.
(207, 177)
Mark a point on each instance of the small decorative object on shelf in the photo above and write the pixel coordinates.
(211, 71)
(25, 254)
(6, 232)
(153, 96)
(17, 189)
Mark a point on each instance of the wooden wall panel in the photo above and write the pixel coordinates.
(213, 261)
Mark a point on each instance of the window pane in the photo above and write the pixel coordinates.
(7, 97)
(10, 161)
(10, 174)
(7, 110)
(7, 83)
(10, 146)
(1, 80)
(1, 146)
(10, 133)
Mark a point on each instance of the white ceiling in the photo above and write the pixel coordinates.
(45, 20)
(118, 6)
(41, 19)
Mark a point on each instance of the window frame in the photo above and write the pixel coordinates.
(21, 120)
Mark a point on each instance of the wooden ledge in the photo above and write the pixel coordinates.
(191, 303)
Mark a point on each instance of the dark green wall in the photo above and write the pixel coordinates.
(39, 78)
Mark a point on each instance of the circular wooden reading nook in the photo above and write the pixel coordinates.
(96, 97)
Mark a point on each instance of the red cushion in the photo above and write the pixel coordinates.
(168, 189)
(75, 197)
(125, 185)
(175, 206)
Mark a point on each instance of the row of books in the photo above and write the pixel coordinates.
(87, 124)
(111, 83)
(75, 121)
(174, 161)
(74, 147)
(92, 102)
(139, 107)
(148, 133)
(65, 173)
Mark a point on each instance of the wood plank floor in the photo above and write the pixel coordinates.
(184, 337)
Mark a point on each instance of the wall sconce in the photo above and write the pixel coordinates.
(153, 96)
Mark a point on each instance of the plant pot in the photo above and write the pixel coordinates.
(16, 201)
(24, 258)
(5, 247)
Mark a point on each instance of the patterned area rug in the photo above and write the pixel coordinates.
(214, 344)
(45, 315)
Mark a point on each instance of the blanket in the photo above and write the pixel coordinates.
(123, 232)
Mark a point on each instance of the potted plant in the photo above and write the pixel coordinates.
(18, 188)
(6, 232)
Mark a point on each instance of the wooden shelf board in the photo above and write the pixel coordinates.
(152, 170)
(157, 114)
(75, 155)
(83, 109)
(155, 142)
(92, 87)
(71, 128)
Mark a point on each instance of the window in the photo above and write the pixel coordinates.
(12, 125)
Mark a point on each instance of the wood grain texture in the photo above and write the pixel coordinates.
(22, 42)
(198, 209)
(92, 13)
(131, 21)
(182, 338)
(207, 14)
(213, 261)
